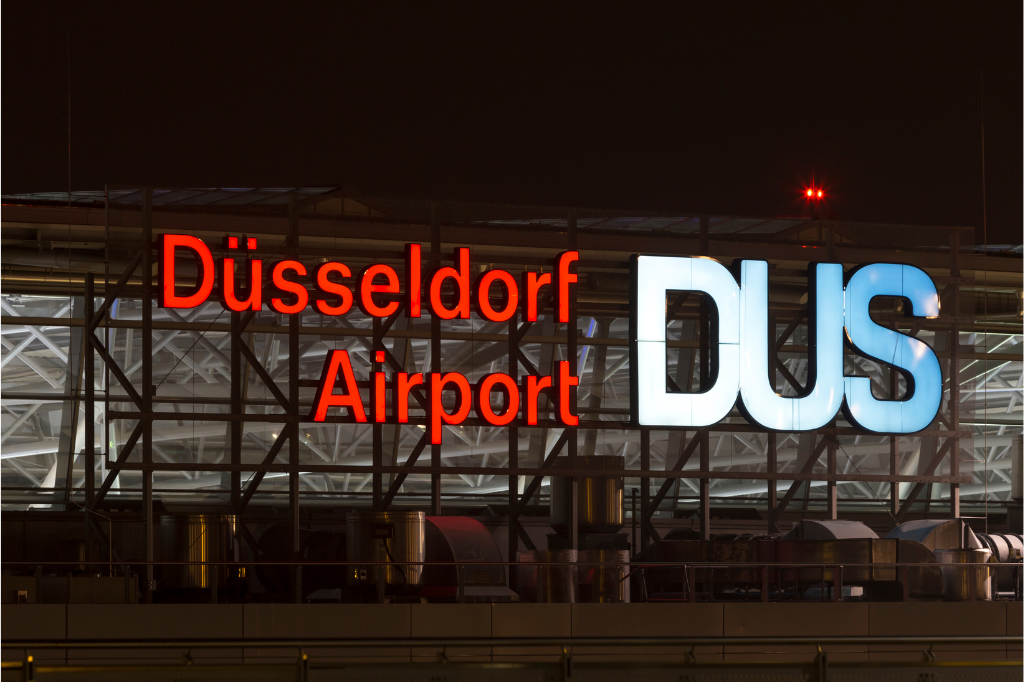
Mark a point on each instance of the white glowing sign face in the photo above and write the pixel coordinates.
(740, 347)
(914, 357)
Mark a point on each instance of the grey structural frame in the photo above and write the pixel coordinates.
(90, 335)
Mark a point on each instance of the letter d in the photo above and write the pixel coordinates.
(168, 295)
(653, 276)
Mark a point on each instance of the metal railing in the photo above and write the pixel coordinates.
(510, 658)
(696, 580)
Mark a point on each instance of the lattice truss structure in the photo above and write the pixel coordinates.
(222, 385)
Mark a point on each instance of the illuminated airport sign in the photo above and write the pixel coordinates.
(285, 286)
(741, 338)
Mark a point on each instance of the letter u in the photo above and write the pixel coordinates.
(823, 394)
(228, 298)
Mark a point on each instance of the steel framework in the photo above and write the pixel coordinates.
(107, 397)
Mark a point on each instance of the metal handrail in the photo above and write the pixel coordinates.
(654, 564)
(689, 570)
(504, 642)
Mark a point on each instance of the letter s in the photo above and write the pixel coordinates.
(917, 360)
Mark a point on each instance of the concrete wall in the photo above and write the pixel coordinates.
(269, 621)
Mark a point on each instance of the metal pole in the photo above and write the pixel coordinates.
(107, 340)
(90, 400)
(773, 491)
(645, 486)
(377, 430)
(513, 456)
(632, 537)
(237, 377)
(435, 362)
(293, 404)
(833, 499)
(90, 412)
(705, 378)
(705, 486)
(954, 374)
(571, 353)
(894, 448)
(147, 382)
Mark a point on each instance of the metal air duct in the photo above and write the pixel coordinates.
(389, 537)
(598, 500)
(203, 539)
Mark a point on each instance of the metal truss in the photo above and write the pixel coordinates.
(108, 398)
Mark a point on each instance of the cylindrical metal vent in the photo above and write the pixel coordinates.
(957, 580)
(391, 537)
(603, 581)
(547, 582)
(598, 499)
(201, 539)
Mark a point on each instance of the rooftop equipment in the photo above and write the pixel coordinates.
(828, 529)
(937, 533)
(957, 582)
(390, 537)
(202, 538)
(598, 500)
(547, 582)
(462, 539)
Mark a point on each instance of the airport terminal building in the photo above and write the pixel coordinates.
(310, 417)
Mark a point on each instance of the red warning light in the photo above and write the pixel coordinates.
(810, 193)
(820, 194)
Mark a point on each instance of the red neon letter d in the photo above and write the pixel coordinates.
(204, 278)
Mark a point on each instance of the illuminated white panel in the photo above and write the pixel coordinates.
(712, 278)
(760, 401)
(656, 275)
(924, 384)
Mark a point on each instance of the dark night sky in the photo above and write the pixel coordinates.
(720, 108)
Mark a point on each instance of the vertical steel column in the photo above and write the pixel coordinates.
(147, 383)
(571, 352)
(107, 345)
(894, 448)
(773, 491)
(705, 377)
(832, 492)
(773, 452)
(705, 485)
(894, 470)
(954, 374)
(645, 486)
(66, 445)
(293, 409)
(435, 362)
(90, 397)
(235, 428)
(377, 430)
(89, 454)
(513, 452)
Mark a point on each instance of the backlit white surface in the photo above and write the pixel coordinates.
(912, 355)
(657, 275)
(760, 401)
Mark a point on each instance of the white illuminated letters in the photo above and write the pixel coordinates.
(653, 276)
(823, 394)
(918, 362)
(742, 343)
